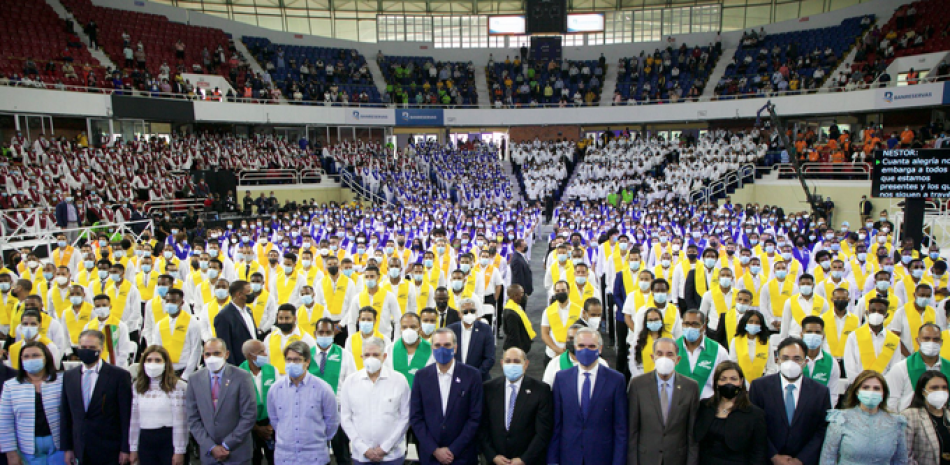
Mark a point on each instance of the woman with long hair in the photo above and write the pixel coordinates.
(864, 432)
(750, 347)
(729, 429)
(928, 421)
(29, 409)
(158, 432)
(653, 328)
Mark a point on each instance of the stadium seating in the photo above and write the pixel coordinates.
(158, 35)
(33, 31)
(284, 63)
(408, 78)
(797, 55)
(930, 21)
(505, 79)
(651, 81)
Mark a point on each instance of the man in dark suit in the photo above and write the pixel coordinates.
(518, 417)
(5, 374)
(795, 407)
(476, 344)
(445, 419)
(518, 330)
(97, 407)
(68, 216)
(693, 291)
(447, 315)
(521, 271)
(234, 324)
(662, 412)
(221, 404)
(590, 427)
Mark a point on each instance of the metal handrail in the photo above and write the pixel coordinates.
(173, 204)
(346, 178)
(263, 176)
(827, 169)
(486, 105)
(307, 176)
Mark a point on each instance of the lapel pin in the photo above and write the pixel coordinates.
(527, 391)
(458, 380)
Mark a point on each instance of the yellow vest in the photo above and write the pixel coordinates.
(15, 350)
(748, 282)
(334, 297)
(258, 307)
(559, 327)
(285, 285)
(145, 286)
(401, 292)
(62, 257)
(59, 300)
(870, 360)
(307, 319)
(915, 320)
(175, 343)
(119, 298)
(836, 343)
(213, 309)
(753, 368)
(779, 297)
(75, 322)
(798, 313)
(356, 347)
(276, 349)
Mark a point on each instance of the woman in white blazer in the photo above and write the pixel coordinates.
(29, 409)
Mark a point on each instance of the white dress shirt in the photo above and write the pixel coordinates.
(445, 384)
(796, 392)
(581, 371)
(376, 413)
(466, 341)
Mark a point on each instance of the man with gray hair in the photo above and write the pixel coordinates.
(477, 345)
(374, 409)
(567, 359)
(703, 354)
(303, 410)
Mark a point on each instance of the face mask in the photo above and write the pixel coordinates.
(790, 370)
(215, 364)
(664, 366)
(102, 312)
(587, 357)
(812, 341)
(469, 318)
(806, 289)
(295, 370)
(938, 399)
(888, 268)
(786, 256)
(691, 334)
(561, 297)
(256, 287)
(162, 291)
(372, 364)
(76, 300)
(262, 360)
(428, 263)
(324, 341)
(87, 356)
(725, 282)
(394, 273)
(753, 329)
(465, 267)
(221, 294)
(115, 277)
(103, 274)
(728, 391)
(348, 273)
(167, 255)
(513, 371)
(870, 399)
(171, 309)
(691, 256)
(366, 327)
(742, 308)
(88, 264)
(660, 298)
(634, 266)
(34, 366)
(883, 286)
(594, 322)
(644, 286)
(154, 370)
(28, 332)
(709, 262)
(876, 319)
(443, 355)
(427, 328)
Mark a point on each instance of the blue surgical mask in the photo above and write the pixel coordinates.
(34, 365)
(147, 268)
(753, 329)
(443, 355)
(655, 325)
(261, 361)
(427, 263)
(116, 277)
(781, 274)
(870, 399)
(812, 341)
(325, 341)
(917, 274)
(587, 357)
(709, 262)
(256, 287)
(465, 267)
(47, 275)
(348, 272)
(307, 299)
(162, 291)
(691, 334)
(295, 370)
(75, 300)
(513, 371)
(906, 259)
(221, 294)
(371, 283)
(366, 327)
(171, 309)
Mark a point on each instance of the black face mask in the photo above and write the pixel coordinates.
(194, 265)
(273, 261)
(728, 391)
(333, 270)
(249, 299)
(87, 356)
(561, 297)
(569, 345)
(691, 256)
(441, 305)
(285, 327)
(841, 304)
(401, 243)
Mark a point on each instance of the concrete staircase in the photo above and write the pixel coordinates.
(481, 86)
(516, 193)
(845, 64)
(251, 61)
(718, 72)
(96, 53)
(378, 78)
(609, 86)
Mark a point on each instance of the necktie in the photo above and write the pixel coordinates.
(323, 361)
(585, 395)
(511, 405)
(790, 402)
(664, 402)
(442, 320)
(87, 386)
(214, 391)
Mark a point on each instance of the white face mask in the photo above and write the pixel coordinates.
(372, 364)
(410, 336)
(790, 370)
(469, 318)
(154, 370)
(594, 322)
(664, 366)
(215, 364)
(930, 349)
(938, 399)
(876, 319)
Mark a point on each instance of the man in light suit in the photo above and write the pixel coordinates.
(802, 436)
(221, 402)
(476, 344)
(663, 436)
(234, 324)
(445, 417)
(590, 409)
(518, 416)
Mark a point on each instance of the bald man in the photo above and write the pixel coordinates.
(518, 330)
(516, 403)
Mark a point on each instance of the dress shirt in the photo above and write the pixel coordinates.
(798, 388)
(580, 381)
(249, 321)
(94, 377)
(376, 413)
(669, 387)
(466, 341)
(158, 409)
(306, 416)
(517, 385)
(853, 365)
(445, 384)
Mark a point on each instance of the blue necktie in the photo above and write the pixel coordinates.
(790, 402)
(511, 405)
(585, 395)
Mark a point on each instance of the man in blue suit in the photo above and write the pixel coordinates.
(477, 346)
(234, 324)
(795, 407)
(590, 409)
(446, 406)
